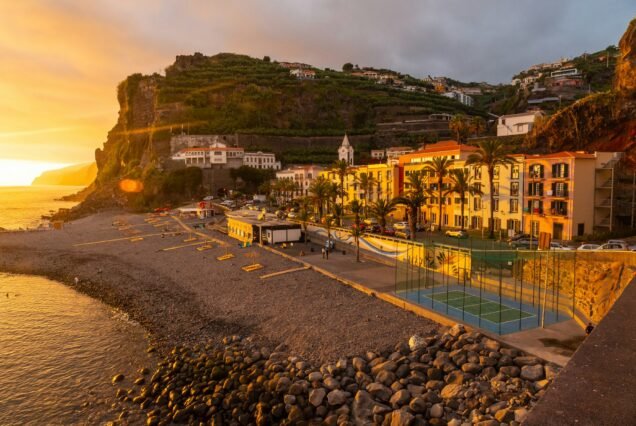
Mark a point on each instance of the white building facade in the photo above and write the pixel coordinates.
(345, 152)
(517, 124)
(261, 160)
(303, 176)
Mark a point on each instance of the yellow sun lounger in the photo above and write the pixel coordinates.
(136, 239)
(225, 257)
(252, 267)
(205, 247)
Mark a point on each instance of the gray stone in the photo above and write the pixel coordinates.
(400, 398)
(510, 370)
(490, 344)
(336, 397)
(416, 343)
(386, 365)
(331, 383)
(532, 372)
(471, 367)
(437, 411)
(289, 399)
(526, 360)
(456, 330)
(520, 414)
(385, 377)
(504, 416)
(451, 391)
(359, 364)
(401, 418)
(379, 391)
(316, 396)
(418, 405)
(315, 376)
(415, 390)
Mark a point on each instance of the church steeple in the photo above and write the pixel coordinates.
(345, 152)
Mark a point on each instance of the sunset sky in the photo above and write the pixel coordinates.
(61, 60)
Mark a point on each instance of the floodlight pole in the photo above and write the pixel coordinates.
(545, 290)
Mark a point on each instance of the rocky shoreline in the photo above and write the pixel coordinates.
(454, 377)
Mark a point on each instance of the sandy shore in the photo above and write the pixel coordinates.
(185, 296)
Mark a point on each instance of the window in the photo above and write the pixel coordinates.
(497, 223)
(536, 171)
(458, 220)
(514, 189)
(560, 170)
(477, 173)
(559, 208)
(495, 204)
(559, 189)
(445, 219)
(495, 188)
(514, 171)
(534, 228)
(477, 188)
(476, 204)
(514, 205)
(433, 217)
(535, 189)
(495, 173)
(535, 207)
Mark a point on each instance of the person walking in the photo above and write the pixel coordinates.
(323, 252)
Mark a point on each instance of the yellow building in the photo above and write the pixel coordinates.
(384, 183)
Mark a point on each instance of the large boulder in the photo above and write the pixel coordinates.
(532, 372)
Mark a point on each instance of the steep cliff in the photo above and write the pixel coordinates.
(75, 175)
(602, 122)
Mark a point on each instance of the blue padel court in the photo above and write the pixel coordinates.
(485, 310)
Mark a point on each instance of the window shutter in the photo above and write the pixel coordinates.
(566, 170)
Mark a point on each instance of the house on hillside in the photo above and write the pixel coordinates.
(261, 160)
(303, 74)
(460, 97)
(517, 124)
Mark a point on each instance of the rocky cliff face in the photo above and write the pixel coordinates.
(76, 175)
(599, 122)
(626, 68)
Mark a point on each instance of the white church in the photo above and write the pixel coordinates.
(345, 152)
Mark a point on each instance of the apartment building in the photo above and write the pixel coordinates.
(303, 176)
(569, 194)
(384, 183)
(507, 190)
(216, 155)
(261, 160)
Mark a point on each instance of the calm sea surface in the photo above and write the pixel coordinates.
(22, 206)
(59, 350)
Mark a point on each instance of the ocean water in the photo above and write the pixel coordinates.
(59, 351)
(23, 206)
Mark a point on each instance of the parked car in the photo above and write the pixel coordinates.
(370, 221)
(389, 232)
(375, 229)
(613, 246)
(425, 226)
(398, 226)
(208, 198)
(457, 233)
(403, 233)
(280, 214)
(518, 237)
(623, 242)
(558, 246)
(525, 243)
(292, 215)
(588, 247)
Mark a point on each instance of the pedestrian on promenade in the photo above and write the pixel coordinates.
(323, 252)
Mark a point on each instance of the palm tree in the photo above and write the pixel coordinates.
(342, 169)
(491, 153)
(319, 190)
(413, 198)
(440, 166)
(459, 126)
(304, 214)
(381, 209)
(366, 182)
(333, 192)
(356, 208)
(460, 180)
(477, 125)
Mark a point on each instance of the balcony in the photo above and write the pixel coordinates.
(557, 212)
(606, 203)
(607, 184)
